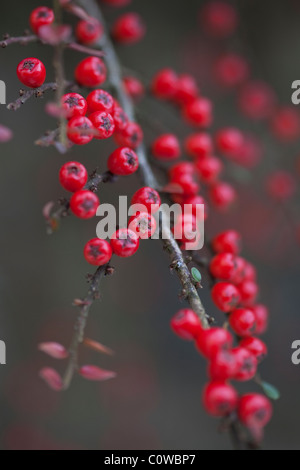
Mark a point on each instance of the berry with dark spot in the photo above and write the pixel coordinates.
(147, 197)
(88, 32)
(242, 321)
(124, 242)
(100, 100)
(226, 296)
(255, 346)
(123, 161)
(210, 342)
(40, 16)
(104, 124)
(254, 410)
(120, 118)
(97, 252)
(31, 72)
(90, 72)
(142, 224)
(219, 398)
(84, 204)
(80, 130)
(186, 324)
(74, 104)
(130, 136)
(73, 176)
(246, 364)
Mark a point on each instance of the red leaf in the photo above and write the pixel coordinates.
(56, 350)
(95, 373)
(52, 378)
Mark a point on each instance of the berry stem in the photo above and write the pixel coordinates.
(147, 175)
(37, 92)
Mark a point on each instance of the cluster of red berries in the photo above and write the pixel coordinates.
(236, 297)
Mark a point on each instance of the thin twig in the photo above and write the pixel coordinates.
(22, 40)
(26, 95)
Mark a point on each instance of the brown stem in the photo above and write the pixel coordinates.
(146, 173)
(23, 40)
(26, 95)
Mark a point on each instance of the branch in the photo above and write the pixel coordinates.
(147, 175)
(22, 40)
(26, 95)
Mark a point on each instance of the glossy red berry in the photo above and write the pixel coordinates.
(88, 32)
(84, 204)
(255, 346)
(226, 296)
(286, 124)
(231, 70)
(198, 145)
(219, 398)
(40, 16)
(90, 72)
(242, 321)
(185, 185)
(228, 241)
(281, 185)
(222, 195)
(222, 266)
(100, 100)
(222, 366)
(198, 112)
(254, 410)
(261, 318)
(209, 169)
(219, 18)
(257, 100)
(121, 119)
(97, 252)
(186, 324)
(248, 291)
(210, 342)
(181, 169)
(123, 161)
(31, 72)
(80, 130)
(73, 176)
(74, 104)
(148, 197)
(128, 28)
(133, 87)
(166, 147)
(187, 89)
(229, 141)
(246, 364)
(142, 224)
(124, 242)
(164, 84)
(131, 136)
(104, 124)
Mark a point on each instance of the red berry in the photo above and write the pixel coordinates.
(164, 84)
(222, 266)
(239, 275)
(250, 272)
(254, 410)
(129, 28)
(124, 242)
(257, 100)
(134, 87)
(88, 32)
(255, 346)
(198, 112)
(210, 342)
(229, 141)
(222, 195)
(187, 89)
(73, 176)
(185, 185)
(185, 228)
(100, 100)
(97, 252)
(104, 124)
(198, 145)
(246, 364)
(148, 197)
(166, 147)
(231, 70)
(194, 201)
(123, 161)
(74, 104)
(209, 169)
(120, 118)
(131, 136)
(261, 318)
(248, 291)
(226, 296)
(31, 72)
(219, 398)
(186, 324)
(90, 72)
(84, 204)
(117, 3)
(80, 130)
(219, 19)
(181, 169)
(222, 366)
(281, 185)
(39, 17)
(228, 241)
(286, 124)
(142, 224)
(242, 321)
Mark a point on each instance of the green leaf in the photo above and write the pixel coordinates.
(196, 274)
(271, 391)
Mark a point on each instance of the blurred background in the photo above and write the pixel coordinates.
(155, 401)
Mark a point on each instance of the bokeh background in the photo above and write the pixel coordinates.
(154, 403)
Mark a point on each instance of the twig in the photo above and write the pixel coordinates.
(84, 49)
(147, 175)
(26, 95)
(22, 40)
(80, 324)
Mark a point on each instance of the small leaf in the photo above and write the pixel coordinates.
(196, 274)
(271, 391)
